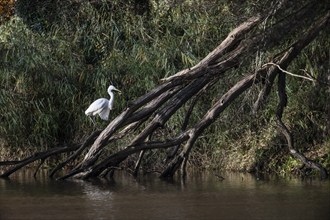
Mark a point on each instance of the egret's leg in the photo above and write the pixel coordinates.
(95, 127)
(92, 121)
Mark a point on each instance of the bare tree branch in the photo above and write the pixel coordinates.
(289, 73)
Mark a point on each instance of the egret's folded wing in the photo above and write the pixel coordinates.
(97, 106)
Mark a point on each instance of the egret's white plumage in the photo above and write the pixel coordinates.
(102, 106)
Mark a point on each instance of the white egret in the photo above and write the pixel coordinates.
(102, 106)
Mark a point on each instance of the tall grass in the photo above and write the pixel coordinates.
(51, 69)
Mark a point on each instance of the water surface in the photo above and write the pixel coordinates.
(201, 196)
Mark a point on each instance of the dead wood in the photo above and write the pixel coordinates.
(38, 156)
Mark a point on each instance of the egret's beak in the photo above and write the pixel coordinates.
(117, 90)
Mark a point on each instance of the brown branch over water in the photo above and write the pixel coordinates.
(38, 156)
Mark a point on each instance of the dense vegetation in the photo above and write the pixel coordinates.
(58, 56)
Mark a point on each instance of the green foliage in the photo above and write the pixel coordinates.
(56, 59)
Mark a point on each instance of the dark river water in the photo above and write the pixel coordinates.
(201, 196)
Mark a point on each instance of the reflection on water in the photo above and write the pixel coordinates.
(201, 196)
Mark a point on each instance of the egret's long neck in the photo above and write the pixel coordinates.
(112, 96)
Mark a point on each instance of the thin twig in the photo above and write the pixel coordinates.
(289, 73)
